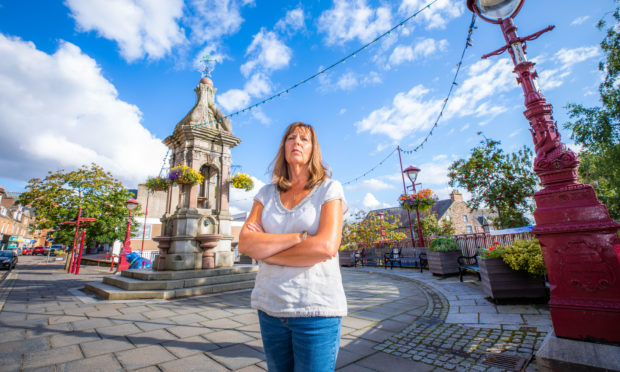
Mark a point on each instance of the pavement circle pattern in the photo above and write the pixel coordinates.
(454, 347)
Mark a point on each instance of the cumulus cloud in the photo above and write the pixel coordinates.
(437, 16)
(566, 58)
(140, 27)
(58, 111)
(422, 48)
(236, 99)
(370, 202)
(292, 22)
(268, 53)
(241, 200)
(353, 19)
(347, 81)
(371, 184)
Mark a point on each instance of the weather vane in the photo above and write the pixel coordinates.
(209, 64)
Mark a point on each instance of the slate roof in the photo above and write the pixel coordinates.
(440, 207)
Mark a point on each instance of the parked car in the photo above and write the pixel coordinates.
(8, 259)
(38, 250)
(26, 251)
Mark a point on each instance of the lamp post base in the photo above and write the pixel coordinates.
(577, 238)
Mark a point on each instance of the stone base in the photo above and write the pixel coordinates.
(562, 354)
(224, 259)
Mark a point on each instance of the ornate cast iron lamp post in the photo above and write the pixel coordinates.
(412, 174)
(124, 264)
(574, 228)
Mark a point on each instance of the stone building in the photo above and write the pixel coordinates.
(454, 209)
(15, 223)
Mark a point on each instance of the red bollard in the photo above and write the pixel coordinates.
(77, 264)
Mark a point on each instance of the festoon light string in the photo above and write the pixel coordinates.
(342, 60)
(468, 44)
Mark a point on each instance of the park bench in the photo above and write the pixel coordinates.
(468, 263)
(370, 257)
(407, 256)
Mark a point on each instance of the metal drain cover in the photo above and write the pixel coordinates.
(511, 362)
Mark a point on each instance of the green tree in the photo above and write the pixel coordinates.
(597, 129)
(367, 228)
(433, 227)
(58, 197)
(503, 182)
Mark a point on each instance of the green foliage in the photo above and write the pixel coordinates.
(494, 251)
(367, 229)
(57, 198)
(597, 129)
(432, 227)
(157, 184)
(242, 181)
(183, 174)
(503, 182)
(525, 255)
(444, 245)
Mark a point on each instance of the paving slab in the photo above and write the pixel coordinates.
(144, 356)
(194, 363)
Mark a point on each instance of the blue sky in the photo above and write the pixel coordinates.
(105, 81)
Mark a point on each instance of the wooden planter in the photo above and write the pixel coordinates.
(499, 281)
(443, 263)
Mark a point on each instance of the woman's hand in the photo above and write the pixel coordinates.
(254, 227)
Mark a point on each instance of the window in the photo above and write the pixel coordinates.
(469, 229)
(465, 218)
(448, 218)
(138, 234)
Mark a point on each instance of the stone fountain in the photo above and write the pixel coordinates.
(195, 246)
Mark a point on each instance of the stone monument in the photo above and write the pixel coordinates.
(196, 228)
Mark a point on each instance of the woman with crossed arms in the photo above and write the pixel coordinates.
(294, 231)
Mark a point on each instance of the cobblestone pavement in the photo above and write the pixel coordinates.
(398, 321)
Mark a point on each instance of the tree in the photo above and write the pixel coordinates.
(58, 197)
(597, 129)
(503, 182)
(368, 229)
(433, 227)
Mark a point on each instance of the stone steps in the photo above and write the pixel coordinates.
(148, 284)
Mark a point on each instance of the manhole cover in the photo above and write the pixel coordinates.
(511, 362)
(430, 320)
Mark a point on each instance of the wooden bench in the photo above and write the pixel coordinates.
(468, 263)
(407, 256)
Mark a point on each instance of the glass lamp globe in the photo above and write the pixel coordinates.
(412, 173)
(131, 204)
(498, 9)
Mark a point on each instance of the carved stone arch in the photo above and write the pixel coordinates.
(209, 190)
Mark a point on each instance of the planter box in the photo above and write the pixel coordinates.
(500, 281)
(443, 263)
(346, 258)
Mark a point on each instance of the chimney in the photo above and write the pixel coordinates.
(456, 196)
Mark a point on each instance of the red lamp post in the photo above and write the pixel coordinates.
(124, 264)
(574, 229)
(412, 174)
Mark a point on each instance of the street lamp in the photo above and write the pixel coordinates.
(412, 174)
(380, 215)
(575, 231)
(131, 204)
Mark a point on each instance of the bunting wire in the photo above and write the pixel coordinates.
(468, 44)
(342, 60)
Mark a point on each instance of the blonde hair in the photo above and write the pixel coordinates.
(317, 171)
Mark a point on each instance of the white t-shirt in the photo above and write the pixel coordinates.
(285, 291)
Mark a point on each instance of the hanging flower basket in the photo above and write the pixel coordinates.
(423, 200)
(242, 181)
(185, 175)
(157, 184)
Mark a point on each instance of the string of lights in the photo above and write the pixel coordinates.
(341, 61)
(468, 44)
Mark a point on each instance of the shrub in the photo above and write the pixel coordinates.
(444, 245)
(525, 255)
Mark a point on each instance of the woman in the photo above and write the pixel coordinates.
(294, 230)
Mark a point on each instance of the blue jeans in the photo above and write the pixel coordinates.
(300, 344)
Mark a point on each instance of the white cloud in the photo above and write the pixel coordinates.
(437, 16)
(422, 48)
(371, 184)
(514, 133)
(140, 27)
(58, 111)
(348, 81)
(566, 58)
(579, 20)
(212, 19)
(464, 127)
(342, 111)
(268, 53)
(293, 21)
(353, 19)
(241, 200)
(233, 99)
(370, 202)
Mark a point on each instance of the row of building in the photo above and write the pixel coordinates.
(15, 221)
